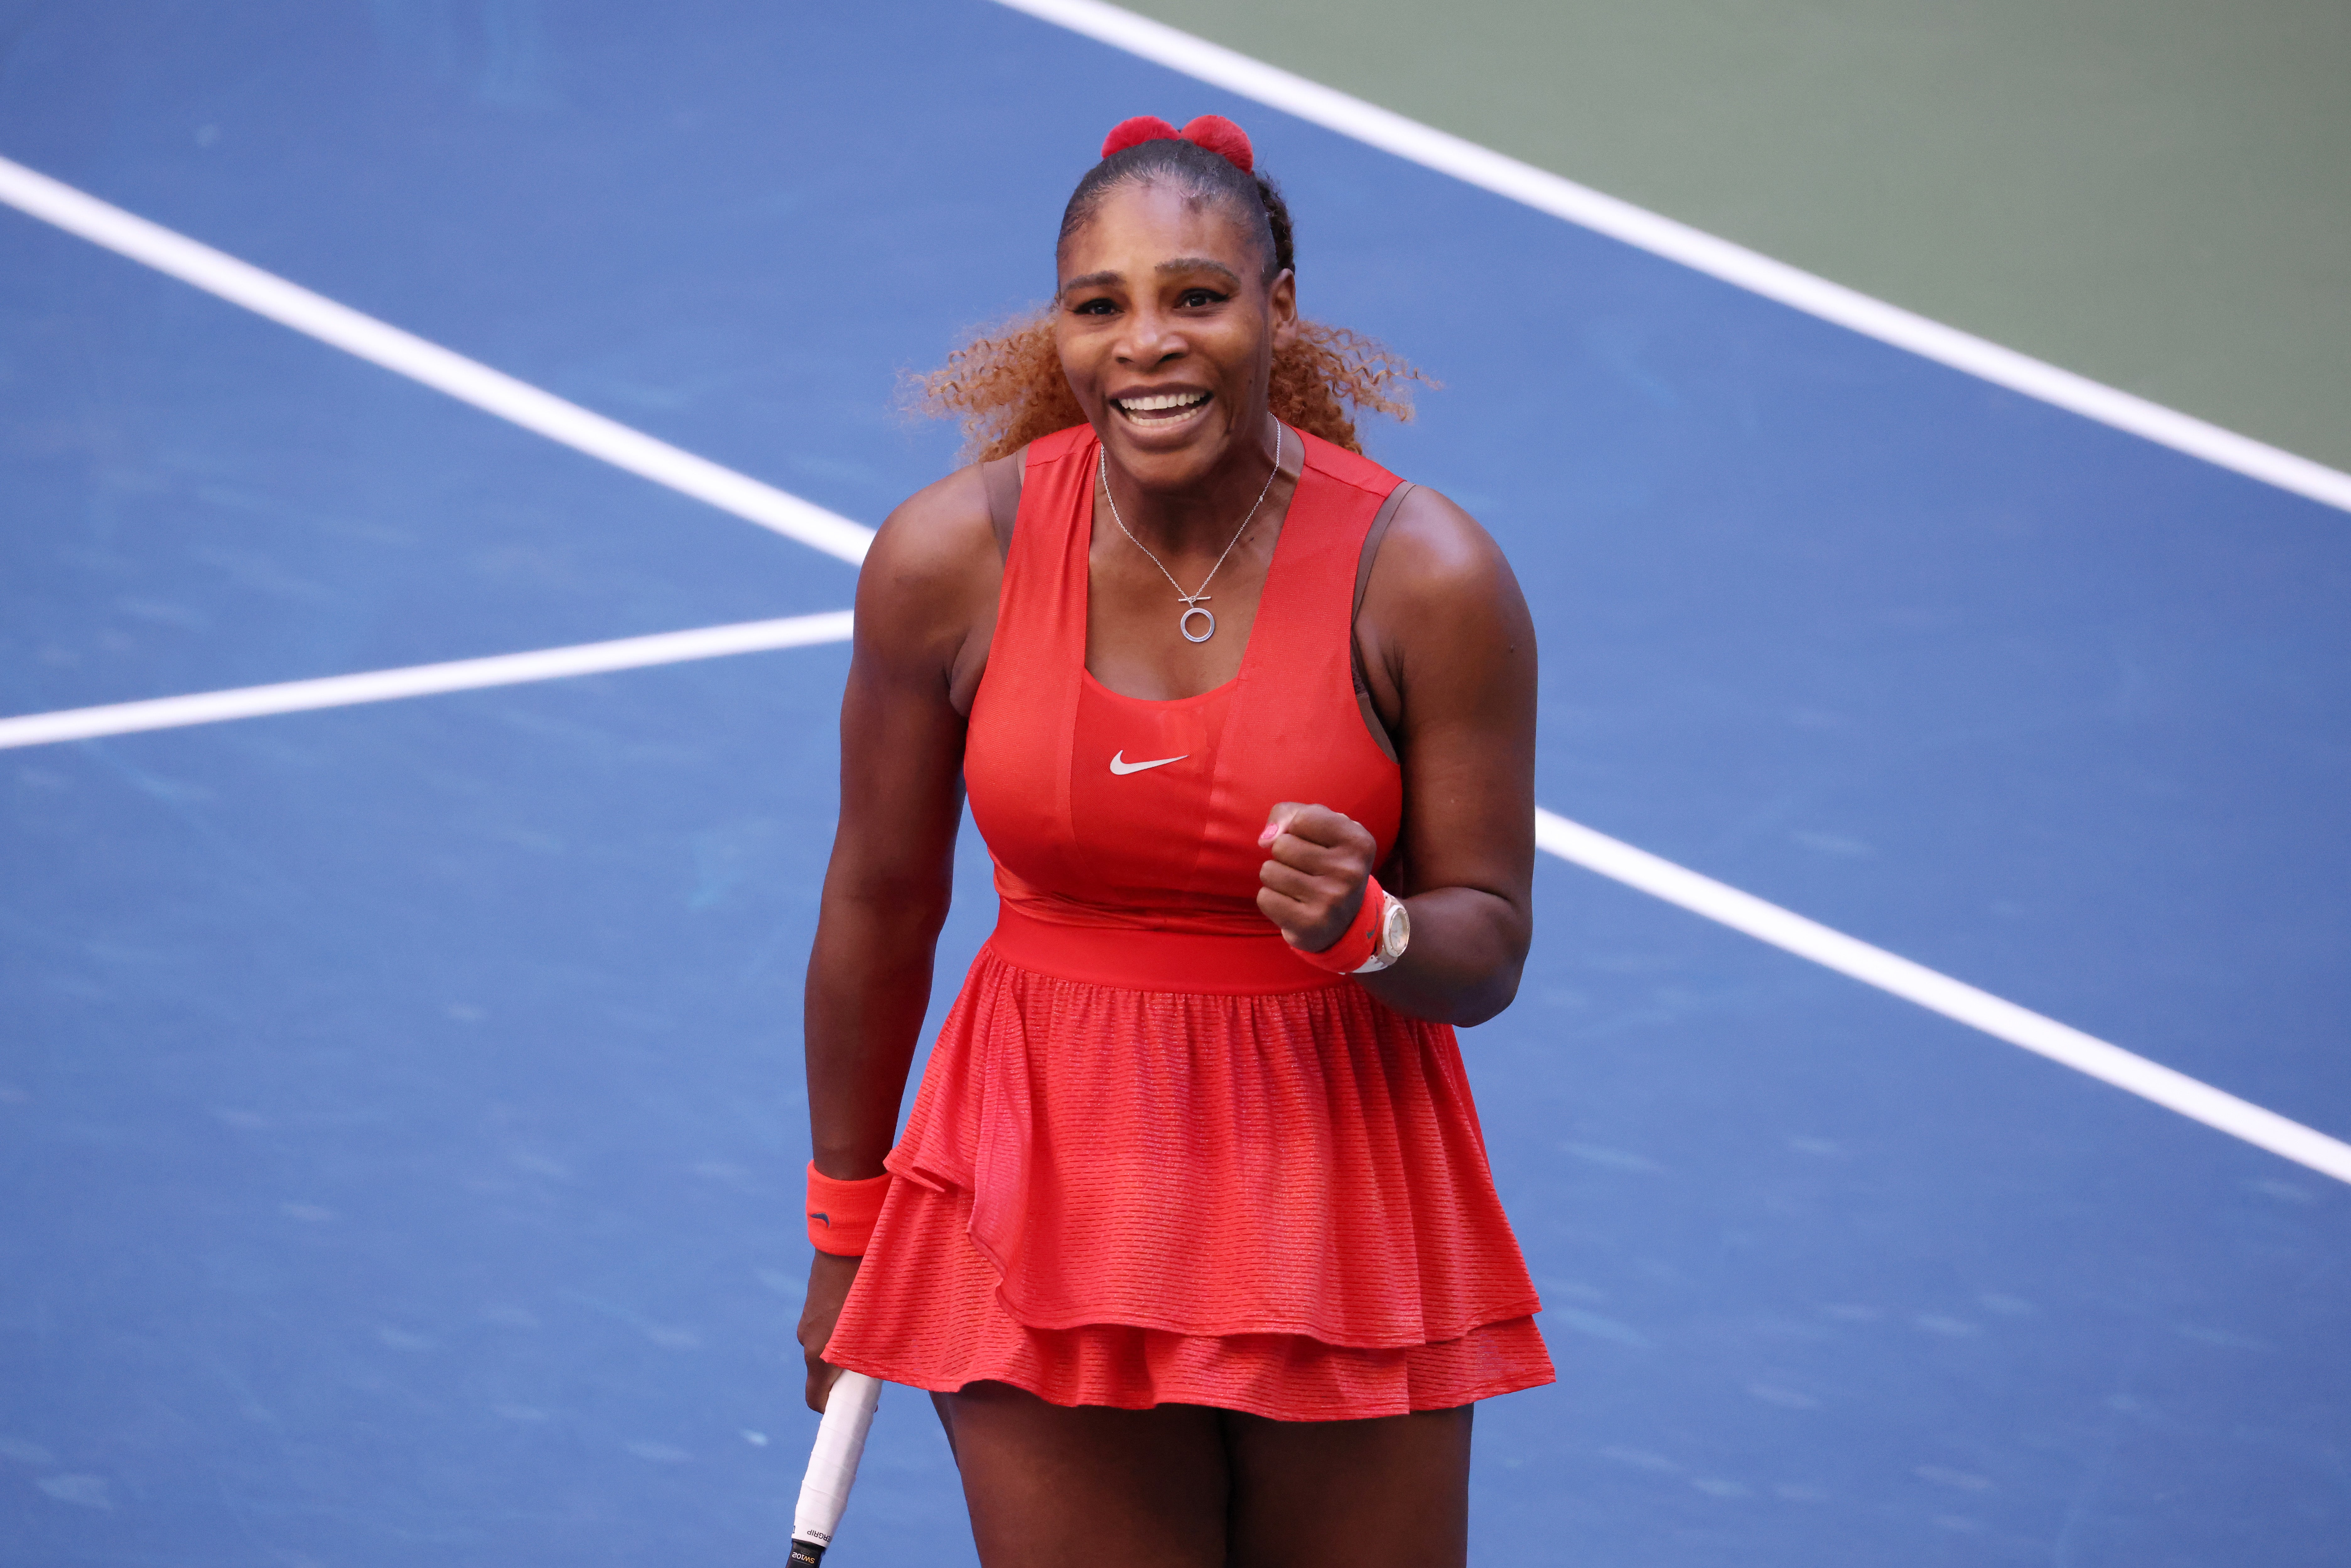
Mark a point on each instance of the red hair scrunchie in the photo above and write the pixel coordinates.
(1213, 132)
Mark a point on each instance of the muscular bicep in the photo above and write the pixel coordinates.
(1457, 643)
(900, 775)
(918, 599)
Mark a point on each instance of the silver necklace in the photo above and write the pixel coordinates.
(1191, 601)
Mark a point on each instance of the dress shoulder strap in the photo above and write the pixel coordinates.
(1372, 538)
(1002, 479)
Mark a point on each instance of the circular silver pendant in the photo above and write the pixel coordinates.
(1184, 624)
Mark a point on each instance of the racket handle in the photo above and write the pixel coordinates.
(832, 1465)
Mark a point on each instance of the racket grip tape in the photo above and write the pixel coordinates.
(832, 1465)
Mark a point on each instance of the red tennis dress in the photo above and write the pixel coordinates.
(1157, 1158)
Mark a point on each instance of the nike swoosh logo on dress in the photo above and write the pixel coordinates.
(1119, 765)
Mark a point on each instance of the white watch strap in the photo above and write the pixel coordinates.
(1390, 907)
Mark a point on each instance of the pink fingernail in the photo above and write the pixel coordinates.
(1272, 832)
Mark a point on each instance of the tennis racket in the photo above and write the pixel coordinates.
(833, 1466)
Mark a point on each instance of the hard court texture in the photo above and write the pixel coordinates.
(400, 1109)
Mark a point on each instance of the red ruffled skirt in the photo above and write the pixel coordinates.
(1268, 1200)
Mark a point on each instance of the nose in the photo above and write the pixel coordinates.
(1153, 336)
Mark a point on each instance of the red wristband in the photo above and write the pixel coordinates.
(1349, 952)
(840, 1214)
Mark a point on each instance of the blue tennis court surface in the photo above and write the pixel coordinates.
(399, 1109)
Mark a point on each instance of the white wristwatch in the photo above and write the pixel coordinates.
(1396, 935)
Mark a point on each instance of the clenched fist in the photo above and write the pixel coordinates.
(1312, 884)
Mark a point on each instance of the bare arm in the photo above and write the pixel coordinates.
(1450, 658)
(926, 597)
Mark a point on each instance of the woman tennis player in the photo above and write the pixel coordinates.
(1191, 1232)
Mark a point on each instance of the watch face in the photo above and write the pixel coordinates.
(1395, 930)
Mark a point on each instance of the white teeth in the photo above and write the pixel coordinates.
(1162, 403)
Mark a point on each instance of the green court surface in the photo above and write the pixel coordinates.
(2150, 192)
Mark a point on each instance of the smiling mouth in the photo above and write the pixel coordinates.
(1161, 410)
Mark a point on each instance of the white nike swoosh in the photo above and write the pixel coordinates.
(1119, 765)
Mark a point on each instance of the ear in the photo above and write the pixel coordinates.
(1282, 301)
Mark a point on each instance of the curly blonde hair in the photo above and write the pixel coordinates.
(1007, 387)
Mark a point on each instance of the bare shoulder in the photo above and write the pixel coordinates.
(1445, 632)
(933, 537)
(1438, 559)
(932, 566)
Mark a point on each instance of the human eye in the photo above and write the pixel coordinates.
(1095, 307)
(1199, 299)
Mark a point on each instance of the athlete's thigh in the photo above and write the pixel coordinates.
(1389, 1492)
(1090, 1487)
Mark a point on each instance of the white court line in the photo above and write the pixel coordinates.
(465, 379)
(1546, 192)
(1556, 834)
(788, 514)
(1940, 993)
(421, 680)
